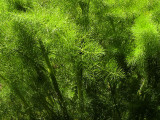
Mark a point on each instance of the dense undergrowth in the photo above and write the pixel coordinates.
(79, 60)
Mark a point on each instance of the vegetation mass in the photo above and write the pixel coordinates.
(79, 60)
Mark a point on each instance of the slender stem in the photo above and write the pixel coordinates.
(54, 81)
(114, 101)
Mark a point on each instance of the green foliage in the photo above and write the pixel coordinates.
(19, 5)
(79, 59)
